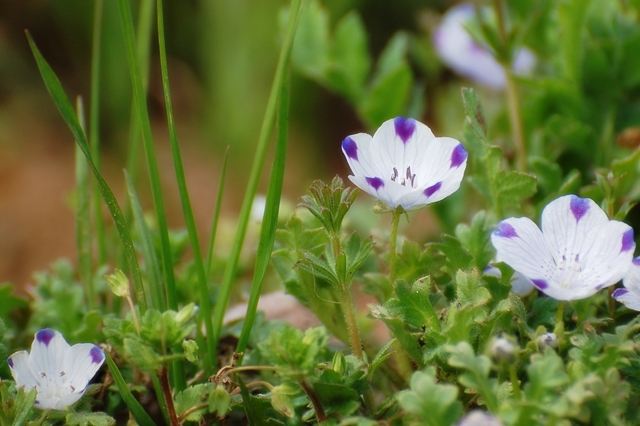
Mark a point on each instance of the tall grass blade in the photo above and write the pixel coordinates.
(261, 150)
(143, 33)
(66, 110)
(205, 302)
(147, 141)
(94, 128)
(154, 276)
(270, 217)
(216, 212)
(83, 216)
(135, 408)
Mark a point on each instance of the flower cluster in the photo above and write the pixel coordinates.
(60, 373)
(404, 164)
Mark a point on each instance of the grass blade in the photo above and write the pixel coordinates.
(66, 110)
(270, 218)
(261, 150)
(94, 129)
(216, 213)
(83, 216)
(154, 276)
(205, 302)
(135, 408)
(147, 141)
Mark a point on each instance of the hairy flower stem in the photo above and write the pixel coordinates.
(559, 329)
(166, 392)
(350, 317)
(515, 118)
(393, 240)
(515, 383)
(513, 100)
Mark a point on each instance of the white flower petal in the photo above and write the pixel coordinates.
(81, 364)
(520, 244)
(628, 298)
(48, 351)
(631, 279)
(570, 224)
(608, 259)
(357, 150)
(397, 144)
(19, 366)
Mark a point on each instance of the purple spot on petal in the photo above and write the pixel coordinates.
(350, 148)
(599, 287)
(505, 230)
(432, 189)
(579, 207)
(458, 156)
(627, 241)
(10, 361)
(97, 356)
(619, 292)
(636, 261)
(45, 336)
(404, 127)
(541, 284)
(375, 183)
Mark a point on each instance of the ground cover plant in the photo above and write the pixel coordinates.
(523, 311)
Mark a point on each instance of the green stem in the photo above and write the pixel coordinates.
(349, 310)
(559, 328)
(515, 118)
(515, 383)
(513, 100)
(393, 241)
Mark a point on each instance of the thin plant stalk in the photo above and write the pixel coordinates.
(512, 98)
(515, 118)
(147, 141)
(515, 383)
(393, 241)
(83, 216)
(261, 151)
(559, 328)
(205, 302)
(270, 217)
(94, 129)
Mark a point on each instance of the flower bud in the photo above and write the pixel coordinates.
(503, 350)
(547, 340)
(479, 418)
(118, 283)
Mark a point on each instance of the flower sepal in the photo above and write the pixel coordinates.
(329, 203)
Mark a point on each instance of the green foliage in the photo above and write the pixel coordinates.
(431, 402)
(16, 405)
(340, 60)
(293, 352)
(89, 419)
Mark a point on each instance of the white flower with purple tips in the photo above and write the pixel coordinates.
(60, 373)
(578, 252)
(630, 294)
(404, 164)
